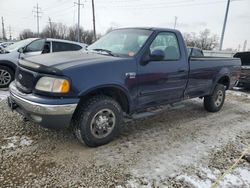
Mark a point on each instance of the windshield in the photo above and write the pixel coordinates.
(122, 42)
(19, 44)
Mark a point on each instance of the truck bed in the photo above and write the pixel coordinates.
(204, 71)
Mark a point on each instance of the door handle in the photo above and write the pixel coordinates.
(181, 70)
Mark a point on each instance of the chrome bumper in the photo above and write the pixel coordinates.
(53, 114)
(37, 108)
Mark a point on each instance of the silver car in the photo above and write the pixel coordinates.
(30, 47)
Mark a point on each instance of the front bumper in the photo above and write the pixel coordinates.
(48, 112)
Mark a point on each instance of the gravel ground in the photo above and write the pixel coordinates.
(184, 146)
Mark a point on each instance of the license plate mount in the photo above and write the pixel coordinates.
(12, 105)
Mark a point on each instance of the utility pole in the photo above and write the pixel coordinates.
(93, 11)
(245, 45)
(239, 48)
(78, 24)
(37, 12)
(175, 21)
(50, 27)
(224, 25)
(10, 37)
(3, 30)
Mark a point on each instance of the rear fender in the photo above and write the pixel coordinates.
(224, 72)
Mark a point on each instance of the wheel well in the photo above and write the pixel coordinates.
(224, 81)
(8, 64)
(115, 93)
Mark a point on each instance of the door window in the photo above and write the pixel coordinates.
(167, 42)
(63, 46)
(35, 46)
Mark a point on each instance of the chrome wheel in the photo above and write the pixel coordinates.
(103, 123)
(219, 98)
(5, 77)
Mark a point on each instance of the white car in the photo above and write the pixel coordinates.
(5, 44)
(30, 47)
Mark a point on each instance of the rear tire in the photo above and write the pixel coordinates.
(214, 102)
(6, 76)
(97, 121)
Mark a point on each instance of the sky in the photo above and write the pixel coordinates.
(192, 16)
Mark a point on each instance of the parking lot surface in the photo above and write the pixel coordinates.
(184, 146)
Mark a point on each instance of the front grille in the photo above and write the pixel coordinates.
(25, 80)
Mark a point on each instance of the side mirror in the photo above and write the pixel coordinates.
(157, 55)
(21, 50)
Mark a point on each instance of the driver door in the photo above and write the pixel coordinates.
(34, 48)
(163, 81)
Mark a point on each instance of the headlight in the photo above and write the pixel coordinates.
(54, 85)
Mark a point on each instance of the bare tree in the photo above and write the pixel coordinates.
(72, 34)
(109, 29)
(204, 40)
(61, 31)
(88, 37)
(55, 30)
(85, 36)
(191, 39)
(27, 33)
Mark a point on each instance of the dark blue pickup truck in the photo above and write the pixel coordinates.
(125, 72)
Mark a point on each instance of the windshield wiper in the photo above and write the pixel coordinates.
(103, 50)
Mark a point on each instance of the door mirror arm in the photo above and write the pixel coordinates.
(156, 55)
(22, 50)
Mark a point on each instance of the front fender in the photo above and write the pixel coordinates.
(116, 86)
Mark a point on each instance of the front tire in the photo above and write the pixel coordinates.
(6, 76)
(214, 102)
(97, 121)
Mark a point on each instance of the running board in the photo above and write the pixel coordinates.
(153, 111)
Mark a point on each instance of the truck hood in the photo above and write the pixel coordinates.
(65, 60)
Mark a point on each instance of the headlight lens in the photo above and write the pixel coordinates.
(54, 85)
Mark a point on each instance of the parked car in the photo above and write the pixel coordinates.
(195, 52)
(30, 47)
(123, 73)
(1, 49)
(245, 69)
(5, 44)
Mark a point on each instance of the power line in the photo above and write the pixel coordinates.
(163, 5)
(78, 24)
(61, 12)
(48, 8)
(38, 16)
